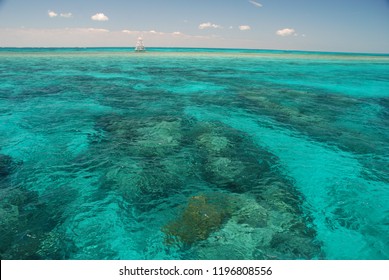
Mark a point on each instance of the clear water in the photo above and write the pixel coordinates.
(193, 154)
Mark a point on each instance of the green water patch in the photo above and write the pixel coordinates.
(28, 218)
(190, 155)
(7, 165)
(155, 159)
(317, 172)
(331, 119)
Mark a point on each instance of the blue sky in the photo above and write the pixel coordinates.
(325, 25)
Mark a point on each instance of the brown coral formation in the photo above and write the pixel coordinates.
(202, 215)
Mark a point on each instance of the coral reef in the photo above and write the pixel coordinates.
(159, 138)
(7, 165)
(257, 230)
(228, 159)
(147, 137)
(327, 123)
(202, 215)
(255, 202)
(27, 219)
(152, 164)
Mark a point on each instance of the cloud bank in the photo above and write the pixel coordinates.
(99, 17)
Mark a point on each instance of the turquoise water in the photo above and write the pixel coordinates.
(193, 154)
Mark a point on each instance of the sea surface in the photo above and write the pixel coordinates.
(193, 154)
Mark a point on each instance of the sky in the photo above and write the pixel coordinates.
(317, 25)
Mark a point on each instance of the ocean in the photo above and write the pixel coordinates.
(193, 154)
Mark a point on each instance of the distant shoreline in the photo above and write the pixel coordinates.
(189, 49)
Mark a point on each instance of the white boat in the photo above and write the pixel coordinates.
(139, 45)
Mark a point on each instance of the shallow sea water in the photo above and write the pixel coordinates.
(193, 154)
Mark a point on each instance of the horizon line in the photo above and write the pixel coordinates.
(204, 48)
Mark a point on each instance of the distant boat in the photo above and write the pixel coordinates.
(139, 45)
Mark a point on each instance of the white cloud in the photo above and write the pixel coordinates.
(286, 32)
(96, 30)
(244, 27)
(152, 32)
(66, 15)
(259, 5)
(206, 25)
(99, 17)
(52, 14)
(130, 31)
